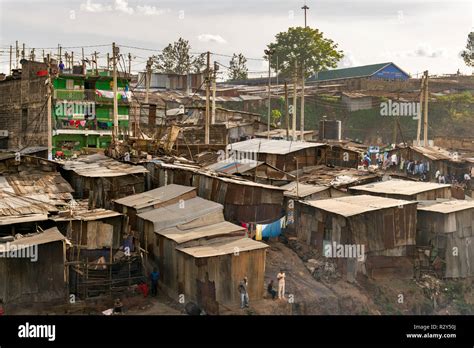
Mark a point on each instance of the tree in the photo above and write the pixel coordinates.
(468, 53)
(238, 67)
(303, 47)
(176, 58)
(276, 116)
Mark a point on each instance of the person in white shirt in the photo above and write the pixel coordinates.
(281, 284)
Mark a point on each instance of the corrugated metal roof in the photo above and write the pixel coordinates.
(176, 214)
(231, 166)
(99, 165)
(435, 153)
(48, 236)
(304, 190)
(399, 187)
(86, 215)
(155, 196)
(279, 147)
(355, 205)
(182, 235)
(211, 174)
(445, 207)
(352, 72)
(223, 248)
(17, 219)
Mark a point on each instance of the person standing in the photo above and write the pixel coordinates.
(154, 277)
(281, 284)
(244, 295)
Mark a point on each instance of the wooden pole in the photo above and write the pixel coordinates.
(11, 57)
(302, 102)
(214, 87)
(17, 54)
(49, 120)
(425, 125)
(269, 110)
(114, 61)
(287, 113)
(83, 62)
(418, 130)
(293, 130)
(129, 63)
(208, 93)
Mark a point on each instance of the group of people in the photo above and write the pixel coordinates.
(244, 294)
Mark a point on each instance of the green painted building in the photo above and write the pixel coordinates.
(82, 111)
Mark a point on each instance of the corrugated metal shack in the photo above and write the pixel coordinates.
(385, 227)
(448, 163)
(30, 191)
(221, 266)
(98, 259)
(133, 205)
(256, 171)
(404, 189)
(102, 179)
(243, 200)
(25, 280)
(343, 156)
(201, 255)
(282, 154)
(447, 229)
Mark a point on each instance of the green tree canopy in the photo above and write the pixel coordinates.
(238, 67)
(468, 53)
(303, 47)
(176, 58)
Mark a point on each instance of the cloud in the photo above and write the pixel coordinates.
(347, 61)
(122, 6)
(425, 50)
(152, 10)
(89, 6)
(211, 38)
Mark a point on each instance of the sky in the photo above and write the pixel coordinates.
(416, 35)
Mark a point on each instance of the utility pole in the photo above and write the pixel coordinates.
(129, 63)
(108, 62)
(425, 125)
(49, 121)
(32, 55)
(60, 52)
(83, 62)
(95, 62)
(302, 104)
(305, 8)
(23, 53)
(208, 78)
(293, 128)
(418, 130)
(11, 57)
(66, 58)
(214, 87)
(269, 54)
(287, 113)
(17, 54)
(114, 60)
(72, 61)
(147, 79)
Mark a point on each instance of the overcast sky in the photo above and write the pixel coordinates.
(416, 35)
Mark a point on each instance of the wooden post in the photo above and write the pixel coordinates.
(425, 110)
(208, 92)
(114, 62)
(49, 116)
(302, 104)
(11, 55)
(418, 131)
(287, 113)
(293, 135)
